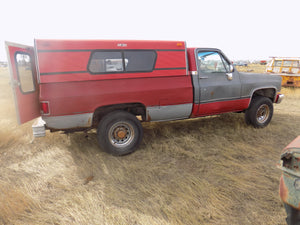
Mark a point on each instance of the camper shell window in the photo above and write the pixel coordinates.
(25, 73)
(104, 62)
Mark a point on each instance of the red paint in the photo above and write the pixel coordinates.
(44, 45)
(294, 144)
(55, 62)
(89, 77)
(50, 62)
(168, 59)
(283, 191)
(27, 104)
(72, 66)
(78, 97)
(207, 109)
(192, 59)
(71, 89)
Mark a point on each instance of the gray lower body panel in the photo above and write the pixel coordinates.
(69, 121)
(169, 112)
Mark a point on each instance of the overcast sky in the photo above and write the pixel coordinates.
(249, 29)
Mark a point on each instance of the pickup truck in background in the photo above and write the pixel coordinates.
(114, 85)
(288, 68)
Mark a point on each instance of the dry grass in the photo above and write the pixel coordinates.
(257, 68)
(213, 170)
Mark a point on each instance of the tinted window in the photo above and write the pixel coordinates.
(139, 60)
(25, 74)
(122, 61)
(102, 62)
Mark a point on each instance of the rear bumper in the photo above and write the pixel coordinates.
(279, 98)
(56, 123)
(38, 128)
(69, 121)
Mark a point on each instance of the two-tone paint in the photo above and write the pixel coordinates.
(175, 88)
(230, 91)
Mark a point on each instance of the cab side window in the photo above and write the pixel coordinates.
(212, 62)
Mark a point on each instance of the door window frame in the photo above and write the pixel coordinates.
(223, 59)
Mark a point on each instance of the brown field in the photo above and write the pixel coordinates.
(213, 170)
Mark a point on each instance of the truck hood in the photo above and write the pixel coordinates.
(254, 81)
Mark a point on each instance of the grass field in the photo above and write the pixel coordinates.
(213, 170)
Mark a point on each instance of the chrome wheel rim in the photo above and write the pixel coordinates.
(263, 113)
(121, 134)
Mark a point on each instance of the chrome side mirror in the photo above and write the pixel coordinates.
(229, 76)
(231, 68)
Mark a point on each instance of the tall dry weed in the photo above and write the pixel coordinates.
(14, 203)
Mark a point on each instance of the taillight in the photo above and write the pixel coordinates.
(44, 108)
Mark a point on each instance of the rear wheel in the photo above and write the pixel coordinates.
(119, 133)
(260, 112)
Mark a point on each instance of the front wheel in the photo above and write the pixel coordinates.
(119, 133)
(260, 112)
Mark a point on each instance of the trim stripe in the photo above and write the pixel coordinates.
(59, 73)
(170, 50)
(224, 100)
(125, 72)
(175, 68)
(66, 50)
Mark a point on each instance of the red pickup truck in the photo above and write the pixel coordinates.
(114, 85)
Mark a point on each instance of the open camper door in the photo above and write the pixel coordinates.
(24, 83)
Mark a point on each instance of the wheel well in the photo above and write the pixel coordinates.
(268, 92)
(136, 109)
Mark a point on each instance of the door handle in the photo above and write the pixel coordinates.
(229, 76)
(203, 77)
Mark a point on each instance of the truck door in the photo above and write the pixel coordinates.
(23, 81)
(219, 83)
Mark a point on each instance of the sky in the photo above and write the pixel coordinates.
(242, 29)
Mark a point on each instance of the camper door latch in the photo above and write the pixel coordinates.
(15, 83)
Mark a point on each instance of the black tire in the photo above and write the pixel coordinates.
(119, 133)
(260, 112)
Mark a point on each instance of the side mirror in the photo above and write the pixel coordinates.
(231, 68)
